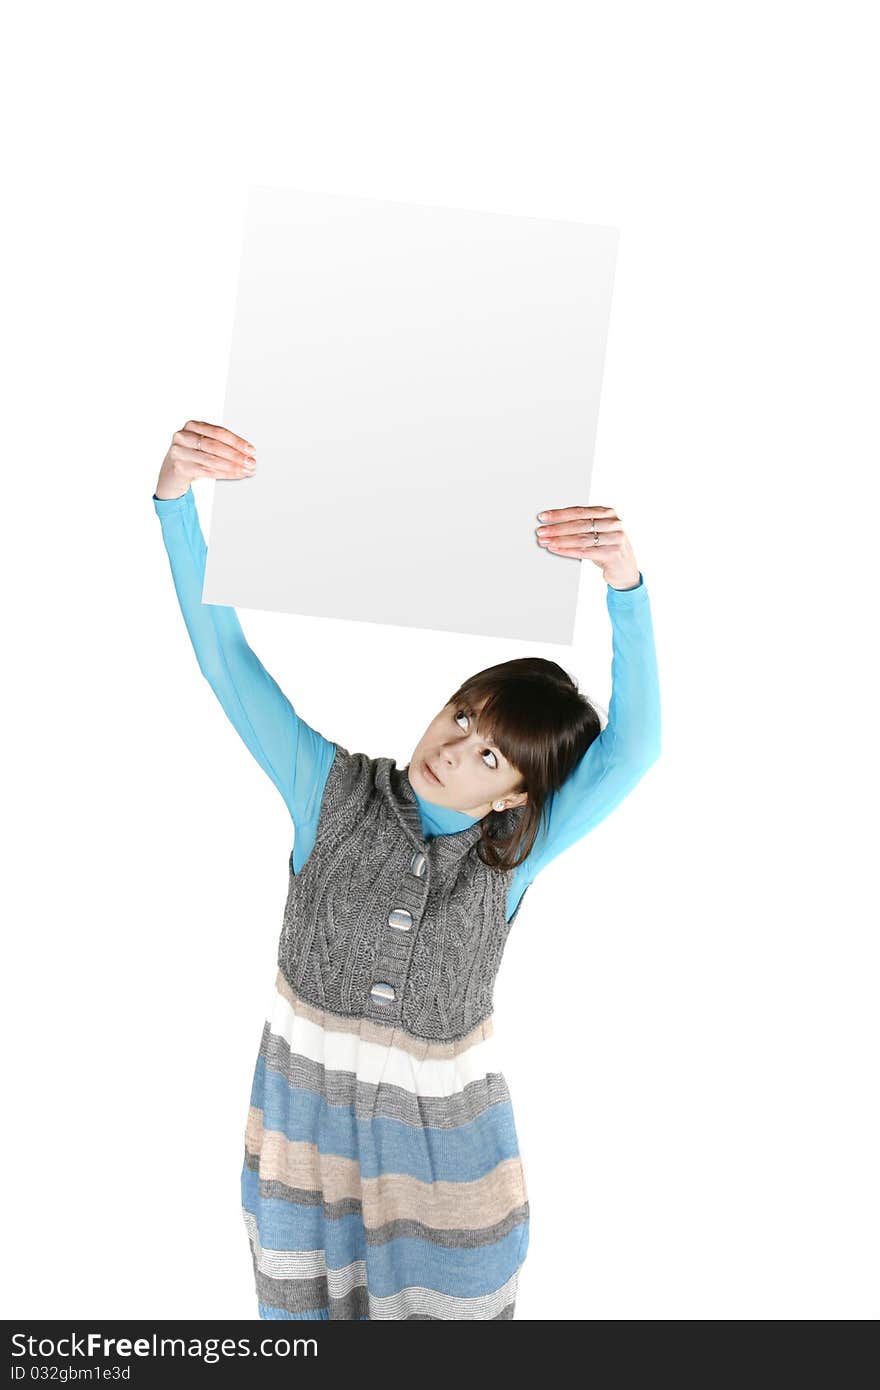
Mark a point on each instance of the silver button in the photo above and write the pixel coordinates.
(383, 991)
(400, 918)
(418, 865)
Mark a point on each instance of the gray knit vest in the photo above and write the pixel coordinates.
(381, 923)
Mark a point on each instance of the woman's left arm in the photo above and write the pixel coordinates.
(630, 742)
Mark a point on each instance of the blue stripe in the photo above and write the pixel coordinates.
(316, 1314)
(287, 1225)
(392, 1266)
(382, 1145)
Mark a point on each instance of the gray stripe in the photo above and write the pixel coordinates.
(307, 1295)
(355, 1305)
(383, 1100)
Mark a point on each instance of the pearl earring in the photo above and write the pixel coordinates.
(499, 805)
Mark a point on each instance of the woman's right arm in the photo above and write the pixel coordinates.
(296, 757)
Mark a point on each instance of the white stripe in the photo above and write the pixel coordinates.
(416, 1299)
(304, 1264)
(374, 1063)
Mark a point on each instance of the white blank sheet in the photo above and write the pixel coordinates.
(419, 382)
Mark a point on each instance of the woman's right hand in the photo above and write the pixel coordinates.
(200, 450)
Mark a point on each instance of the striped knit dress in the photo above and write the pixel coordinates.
(382, 1176)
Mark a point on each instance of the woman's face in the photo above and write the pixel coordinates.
(470, 773)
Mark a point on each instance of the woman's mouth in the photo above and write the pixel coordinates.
(430, 776)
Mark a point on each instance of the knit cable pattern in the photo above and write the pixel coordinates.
(336, 940)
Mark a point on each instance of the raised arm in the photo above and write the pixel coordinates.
(622, 753)
(296, 757)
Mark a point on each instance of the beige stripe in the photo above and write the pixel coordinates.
(391, 1196)
(389, 1035)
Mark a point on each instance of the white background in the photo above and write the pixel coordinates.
(687, 1005)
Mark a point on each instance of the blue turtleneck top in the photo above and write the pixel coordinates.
(297, 758)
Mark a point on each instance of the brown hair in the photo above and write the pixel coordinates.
(536, 715)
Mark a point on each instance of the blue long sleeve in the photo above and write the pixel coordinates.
(623, 751)
(296, 757)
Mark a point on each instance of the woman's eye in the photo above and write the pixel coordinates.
(462, 715)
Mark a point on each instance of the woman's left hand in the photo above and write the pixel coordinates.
(591, 533)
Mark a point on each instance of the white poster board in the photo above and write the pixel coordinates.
(418, 382)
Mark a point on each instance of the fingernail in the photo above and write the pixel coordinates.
(542, 516)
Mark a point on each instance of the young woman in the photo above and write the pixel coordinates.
(382, 1175)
